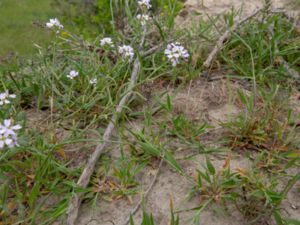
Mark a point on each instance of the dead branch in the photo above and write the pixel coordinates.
(220, 43)
(85, 177)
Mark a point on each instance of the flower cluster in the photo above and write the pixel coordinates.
(106, 41)
(93, 81)
(126, 51)
(143, 18)
(72, 74)
(54, 23)
(175, 52)
(4, 98)
(145, 3)
(8, 137)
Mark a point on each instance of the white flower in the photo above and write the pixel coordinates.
(4, 98)
(144, 3)
(8, 129)
(5, 141)
(10, 141)
(8, 137)
(14, 142)
(106, 41)
(143, 18)
(175, 52)
(126, 51)
(72, 74)
(93, 81)
(54, 23)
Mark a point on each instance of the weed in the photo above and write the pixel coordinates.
(183, 128)
(259, 43)
(215, 186)
(253, 192)
(148, 219)
(158, 151)
(34, 176)
(78, 80)
(125, 171)
(264, 124)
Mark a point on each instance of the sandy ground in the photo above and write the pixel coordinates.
(213, 102)
(205, 8)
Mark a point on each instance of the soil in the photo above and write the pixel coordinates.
(205, 8)
(201, 100)
(213, 102)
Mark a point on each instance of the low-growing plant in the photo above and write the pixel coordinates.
(254, 193)
(125, 171)
(31, 176)
(150, 149)
(264, 123)
(77, 83)
(186, 131)
(148, 219)
(214, 186)
(256, 47)
(183, 128)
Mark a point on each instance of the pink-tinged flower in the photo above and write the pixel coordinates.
(145, 3)
(106, 41)
(4, 98)
(54, 23)
(8, 129)
(10, 141)
(126, 51)
(72, 74)
(8, 136)
(175, 52)
(5, 141)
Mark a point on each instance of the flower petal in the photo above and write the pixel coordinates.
(7, 123)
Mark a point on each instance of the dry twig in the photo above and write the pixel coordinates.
(220, 43)
(90, 166)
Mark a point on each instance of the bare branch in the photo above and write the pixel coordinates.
(85, 177)
(220, 43)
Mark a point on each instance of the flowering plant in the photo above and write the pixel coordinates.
(72, 74)
(126, 51)
(54, 23)
(5, 98)
(176, 52)
(8, 135)
(106, 41)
